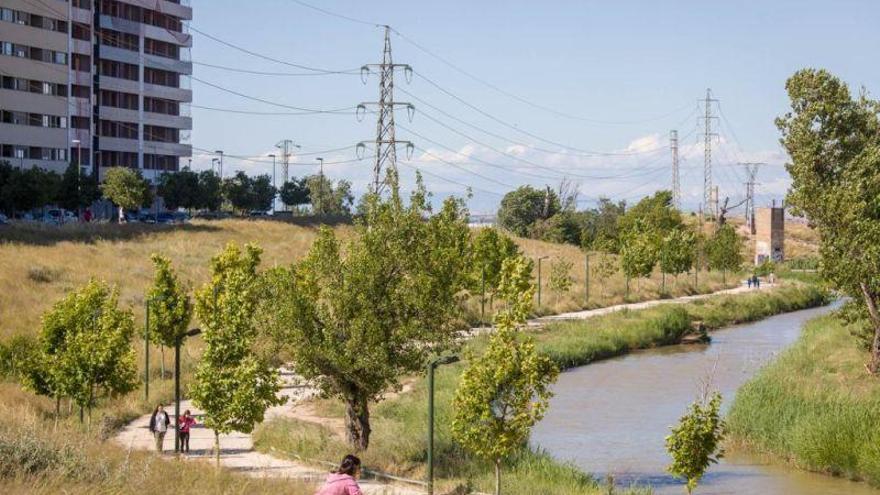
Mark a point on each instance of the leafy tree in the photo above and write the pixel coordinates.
(833, 140)
(77, 190)
(86, 348)
(180, 189)
(677, 253)
(567, 226)
(237, 191)
(329, 197)
(638, 254)
(127, 189)
(605, 266)
(694, 443)
(169, 305)
(490, 248)
(209, 195)
(654, 213)
(262, 192)
(600, 230)
(357, 319)
(724, 250)
(560, 277)
(295, 192)
(521, 208)
(506, 390)
(233, 384)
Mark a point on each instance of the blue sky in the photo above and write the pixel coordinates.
(608, 76)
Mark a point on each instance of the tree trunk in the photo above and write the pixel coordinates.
(217, 448)
(121, 215)
(663, 283)
(357, 423)
(874, 316)
(497, 476)
(162, 353)
(81, 419)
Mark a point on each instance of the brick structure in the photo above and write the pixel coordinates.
(770, 235)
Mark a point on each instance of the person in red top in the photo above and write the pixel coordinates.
(343, 481)
(185, 422)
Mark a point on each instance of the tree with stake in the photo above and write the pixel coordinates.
(638, 255)
(694, 443)
(833, 140)
(126, 189)
(233, 384)
(96, 355)
(490, 248)
(605, 267)
(169, 306)
(560, 277)
(677, 253)
(724, 250)
(506, 390)
(356, 322)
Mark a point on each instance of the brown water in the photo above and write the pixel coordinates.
(611, 417)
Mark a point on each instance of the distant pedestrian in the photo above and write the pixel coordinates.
(343, 481)
(159, 422)
(87, 216)
(185, 422)
(749, 281)
(772, 279)
(757, 282)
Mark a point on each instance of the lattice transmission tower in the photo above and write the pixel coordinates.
(286, 146)
(752, 173)
(386, 142)
(709, 200)
(676, 178)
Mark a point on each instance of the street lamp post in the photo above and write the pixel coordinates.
(274, 196)
(586, 278)
(214, 167)
(432, 365)
(177, 344)
(539, 279)
(321, 191)
(78, 144)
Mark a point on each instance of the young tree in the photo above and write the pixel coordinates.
(833, 140)
(295, 192)
(169, 305)
(86, 341)
(356, 319)
(560, 277)
(77, 190)
(604, 268)
(262, 193)
(677, 253)
(180, 189)
(233, 384)
(127, 189)
(638, 255)
(694, 443)
(506, 390)
(209, 195)
(237, 191)
(329, 197)
(490, 248)
(521, 208)
(724, 250)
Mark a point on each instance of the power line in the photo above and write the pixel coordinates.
(341, 110)
(267, 73)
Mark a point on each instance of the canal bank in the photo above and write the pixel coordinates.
(611, 418)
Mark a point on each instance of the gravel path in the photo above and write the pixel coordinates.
(237, 449)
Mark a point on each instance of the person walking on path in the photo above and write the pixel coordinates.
(185, 422)
(343, 481)
(757, 282)
(749, 281)
(159, 422)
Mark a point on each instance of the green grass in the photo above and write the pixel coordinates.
(398, 446)
(815, 407)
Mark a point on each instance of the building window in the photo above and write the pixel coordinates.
(81, 32)
(118, 99)
(161, 77)
(123, 130)
(33, 20)
(117, 39)
(121, 70)
(33, 119)
(80, 91)
(161, 49)
(161, 134)
(161, 105)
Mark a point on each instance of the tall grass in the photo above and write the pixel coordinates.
(815, 406)
(397, 444)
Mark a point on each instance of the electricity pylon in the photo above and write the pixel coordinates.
(752, 172)
(286, 146)
(676, 179)
(386, 142)
(711, 206)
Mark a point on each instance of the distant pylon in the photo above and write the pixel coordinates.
(711, 206)
(386, 142)
(676, 179)
(286, 146)
(752, 173)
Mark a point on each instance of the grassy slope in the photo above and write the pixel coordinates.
(397, 444)
(815, 406)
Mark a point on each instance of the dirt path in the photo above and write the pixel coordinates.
(237, 449)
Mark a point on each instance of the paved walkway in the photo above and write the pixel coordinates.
(237, 449)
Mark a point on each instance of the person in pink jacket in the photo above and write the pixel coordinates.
(343, 481)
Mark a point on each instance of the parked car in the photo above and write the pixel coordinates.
(181, 216)
(258, 213)
(165, 218)
(3, 219)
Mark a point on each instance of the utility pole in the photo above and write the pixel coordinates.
(275, 187)
(386, 142)
(321, 190)
(676, 181)
(751, 173)
(708, 117)
(220, 152)
(286, 146)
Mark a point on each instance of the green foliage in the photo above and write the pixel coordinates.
(560, 276)
(490, 247)
(126, 188)
(85, 348)
(247, 193)
(209, 195)
(180, 189)
(724, 249)
(77, 190)
(603, 268)
(295, 192)
(653, 213)
(356, 319)
(601, 231)
(677, 251)
(833, 140)
(765, 268)
(506, 390)
(17, 357)
(694, 443)
(638, 253)
(329, 197)
(169, 304)
(22, 190)
(521, 208)
(232, 383)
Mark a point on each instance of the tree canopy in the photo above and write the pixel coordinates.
(521, 208)
(126, 189)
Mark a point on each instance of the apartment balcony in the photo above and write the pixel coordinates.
(173, 121)
(83, 135)
(182, 9)
(81, 47)
(120, 55)
(36, 37)
(28, 135)
(118, 144)
(81, 78)
(29, 69)
(118, 84)
(159, 148)
(162, 34)
(32, 102)
(169, 93)
(157, 62)
(81, 15)
(119, 114)
(80, 107)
